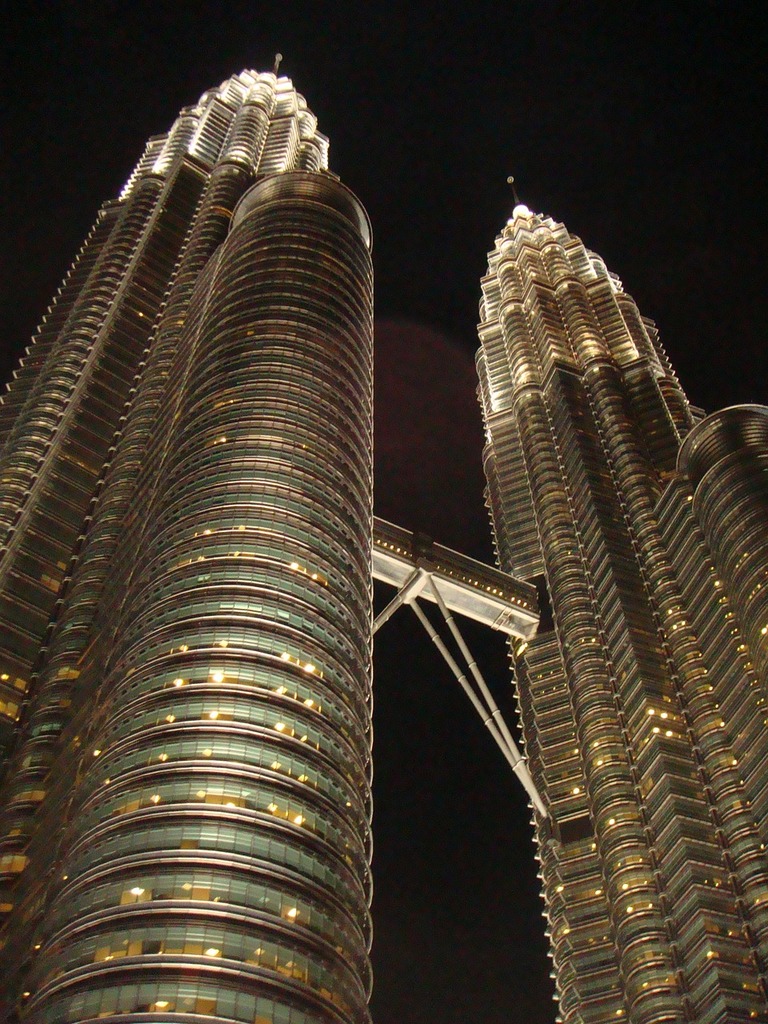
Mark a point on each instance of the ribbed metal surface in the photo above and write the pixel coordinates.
(232, 834)
(725, 457)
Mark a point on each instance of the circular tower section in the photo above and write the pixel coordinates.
(217, 864)
(725, 458)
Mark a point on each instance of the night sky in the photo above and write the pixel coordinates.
(634, 124)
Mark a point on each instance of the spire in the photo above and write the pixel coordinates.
(278, 62)
(520, 208)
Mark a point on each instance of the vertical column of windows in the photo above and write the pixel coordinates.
(52, 703)
(36, 356)
(57, 451)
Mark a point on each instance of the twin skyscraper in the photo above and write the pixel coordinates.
(186, 610)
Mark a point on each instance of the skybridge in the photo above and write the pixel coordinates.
(419, 568)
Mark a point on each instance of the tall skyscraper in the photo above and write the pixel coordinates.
(186, 499)
(644, 707)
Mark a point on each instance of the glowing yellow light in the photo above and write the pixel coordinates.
(299, 819)
(96, 752)
(309, 668)
(280, 726)
(212, 951)
(213, 714)
(170, 718)
(178, 681)
(5, 676)
(155, 798)
(293, 912)
(207, 752)
(217, 677)
(162, 757)
(294, 565)
(285, 656)
(137, 891)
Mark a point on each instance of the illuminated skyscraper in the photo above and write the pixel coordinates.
(186, 497)
(644, 707)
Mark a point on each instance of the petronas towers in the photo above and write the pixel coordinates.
(186, 610)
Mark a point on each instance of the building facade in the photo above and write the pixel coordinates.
(643, 707)
(185, 593)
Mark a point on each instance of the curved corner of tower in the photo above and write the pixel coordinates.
(726, 432)
(310, 186)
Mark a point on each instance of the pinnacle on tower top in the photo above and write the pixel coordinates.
(520, 209)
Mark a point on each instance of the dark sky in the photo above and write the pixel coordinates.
(635, 124)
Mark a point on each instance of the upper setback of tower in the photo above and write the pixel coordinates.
(253, 119)
(527, 332)
(61, 410)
